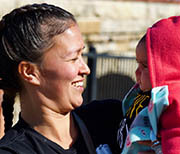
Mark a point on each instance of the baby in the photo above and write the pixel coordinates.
(152, 107)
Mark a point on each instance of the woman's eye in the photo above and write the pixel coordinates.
(74, 59)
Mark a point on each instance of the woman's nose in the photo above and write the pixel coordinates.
(84, 67)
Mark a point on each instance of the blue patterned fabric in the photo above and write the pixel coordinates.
(144, 126)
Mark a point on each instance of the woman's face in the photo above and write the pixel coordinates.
(62, 72)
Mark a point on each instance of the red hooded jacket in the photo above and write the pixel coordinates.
(163, 53)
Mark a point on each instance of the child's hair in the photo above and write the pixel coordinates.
(143, 39)
(25, 34)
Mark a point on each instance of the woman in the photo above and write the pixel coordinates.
(41, 56)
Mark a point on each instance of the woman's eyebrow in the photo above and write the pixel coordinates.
(75, 52)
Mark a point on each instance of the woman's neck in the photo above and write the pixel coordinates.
(57, 127)
(62, 130)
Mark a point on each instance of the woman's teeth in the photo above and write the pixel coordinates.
(78, 84)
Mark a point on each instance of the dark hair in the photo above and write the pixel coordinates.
(25, 34)
(143, 39)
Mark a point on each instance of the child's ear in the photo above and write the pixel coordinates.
(29, 72)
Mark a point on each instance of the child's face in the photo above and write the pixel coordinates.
(142, 72)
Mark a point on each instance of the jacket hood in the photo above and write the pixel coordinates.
(163, 55)
(163, 51)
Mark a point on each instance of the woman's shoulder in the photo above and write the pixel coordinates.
(22, 139)
(9, 142)
(19, 139)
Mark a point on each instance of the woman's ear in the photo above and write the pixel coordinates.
(29, 72)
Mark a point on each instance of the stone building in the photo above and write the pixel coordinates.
(112, 26)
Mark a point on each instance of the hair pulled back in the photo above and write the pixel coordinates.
(25, 34)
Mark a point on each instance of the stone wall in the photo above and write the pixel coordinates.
(112, 26)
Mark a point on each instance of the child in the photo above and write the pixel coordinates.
(137, 98)
(152, 107)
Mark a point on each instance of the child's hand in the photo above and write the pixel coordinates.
(147, 143)
(147, 152)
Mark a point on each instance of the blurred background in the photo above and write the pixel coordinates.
(111, 30)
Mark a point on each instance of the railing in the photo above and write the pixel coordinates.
(111, 76)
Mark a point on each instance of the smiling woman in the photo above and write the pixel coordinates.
(42, 62)
(44, 69)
